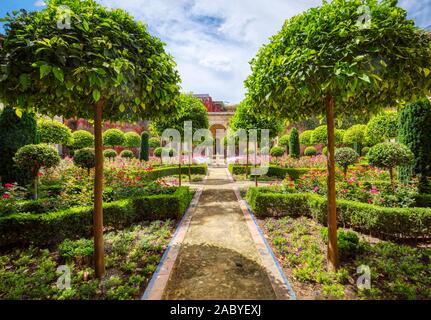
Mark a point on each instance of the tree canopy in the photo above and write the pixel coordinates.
(326, 52)
(104, 55)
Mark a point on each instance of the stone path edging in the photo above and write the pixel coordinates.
(275, 272)
(159, 280)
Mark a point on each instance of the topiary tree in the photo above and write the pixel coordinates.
(105, 67)
(158, 152)
(355, 136)
(310, 151)
(15, 132)
(328, 61)
(345, 157)
(144, 152)
(365, 150)
(284, 142)
(127, 154)
(111, 154)
(414, 130)
(320, 135)
(55, 132)
(113, 138)
(85, 158)
(154, 142)
(388, 155)
(305, 137)
(382, 128)
(82, 139)
(189, 109)
(294, 148)
(276, 151)
(243, 119)
(132, 140)
(33, 157)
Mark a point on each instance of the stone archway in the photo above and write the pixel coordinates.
(217, 140)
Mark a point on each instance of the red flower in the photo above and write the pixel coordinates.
(40, 174)
(291, 184)
(6, 196)
(8, 185)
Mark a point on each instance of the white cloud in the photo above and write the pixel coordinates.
(212, 41)
(40, 3)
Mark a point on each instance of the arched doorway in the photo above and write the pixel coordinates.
(218, 140)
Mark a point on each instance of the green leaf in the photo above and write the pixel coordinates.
(44, 70)
(24, 80)
(137, 101)
(427, 72)
(85, 25)
(96, 95)
(122, 108)
(365, 78)
(58, 74)
(18, 112)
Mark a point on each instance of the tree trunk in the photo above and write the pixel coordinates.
(180, 156)
(391, 174)
(246, 165)
(98, 190)
(255, 162)
(332, 206)
(190, 165)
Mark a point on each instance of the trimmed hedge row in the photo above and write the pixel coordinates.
(273, 171)
(173, 170)
(423, 200)
(76, 222)
(379, 221)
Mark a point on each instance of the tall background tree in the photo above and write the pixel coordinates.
(294, 148)
(329, 61)
(105, 66)
(15, 132)
(145, 148)
(189, 109)
(246, 120)
(414, 130)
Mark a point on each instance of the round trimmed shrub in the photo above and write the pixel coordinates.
(85, 158)
(154, 143)
(320, 135)
(51, 131)
(310, 151)
(388, 155)
(82, 139)
(305, 137)
(158, 152)
(33, 157)
(355, 136)
(127, 154)
(381, 128)
(345, 157)
(284, 141)
(276, 151)
(113, 138)
(111, 154)
(132, 140)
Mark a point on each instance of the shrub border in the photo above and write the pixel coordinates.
(392, 223)
(274, 171)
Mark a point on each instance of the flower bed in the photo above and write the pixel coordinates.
(397, 271)
(131, 257)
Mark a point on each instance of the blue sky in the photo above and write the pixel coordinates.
(212, 41)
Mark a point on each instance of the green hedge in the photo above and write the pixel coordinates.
(379, 221)
(53, 227)
(273, 171)
(173, 170)
(423, 200)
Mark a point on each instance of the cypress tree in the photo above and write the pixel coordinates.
(294, 149)
(414, 130)
(15, 132)
(144, 147)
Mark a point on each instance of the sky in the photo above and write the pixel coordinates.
(212, 41)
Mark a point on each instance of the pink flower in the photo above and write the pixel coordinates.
(370, 201)
(316, 189)
(344, 191)
(8, 185)
(6, 196)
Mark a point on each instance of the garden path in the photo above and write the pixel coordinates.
(221, 256)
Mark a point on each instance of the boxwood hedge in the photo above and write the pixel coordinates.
(382, 222)
(273, 171)
(53, 227)
(173, 170)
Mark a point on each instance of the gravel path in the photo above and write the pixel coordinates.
(218, 258)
